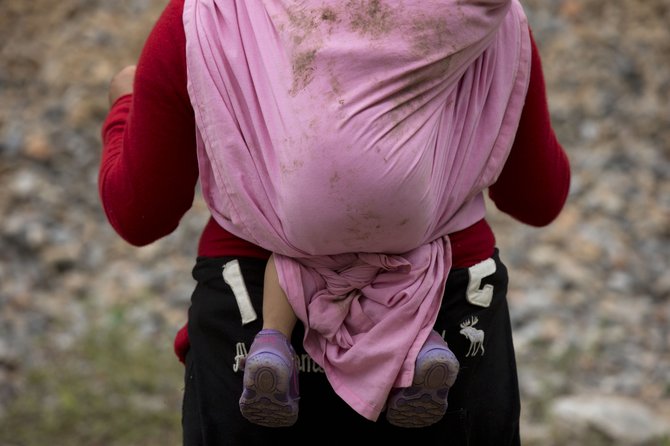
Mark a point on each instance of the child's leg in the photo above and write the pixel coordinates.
(277, 311)
(270, 385)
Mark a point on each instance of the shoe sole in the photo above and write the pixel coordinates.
(425, 402)
(265, 400)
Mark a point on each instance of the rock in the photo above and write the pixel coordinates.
(616, 421)
(37, 147)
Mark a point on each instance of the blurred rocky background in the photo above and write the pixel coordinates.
(86, 321)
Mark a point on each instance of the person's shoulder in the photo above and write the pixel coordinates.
(174, 9)
(163, 52)
(170, 22)
(176, 4)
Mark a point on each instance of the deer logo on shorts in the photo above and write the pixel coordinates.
(475, 336)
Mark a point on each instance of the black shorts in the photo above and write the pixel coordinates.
(484, 402)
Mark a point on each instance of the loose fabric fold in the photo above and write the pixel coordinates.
(350, 138)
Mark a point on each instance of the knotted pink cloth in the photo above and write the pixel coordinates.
(350, 138)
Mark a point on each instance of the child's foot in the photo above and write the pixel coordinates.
(270, 394)
(425, 402)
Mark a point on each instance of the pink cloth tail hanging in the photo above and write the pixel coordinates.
(351, 138)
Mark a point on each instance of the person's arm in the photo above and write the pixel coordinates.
(533, 185)
(149, 169)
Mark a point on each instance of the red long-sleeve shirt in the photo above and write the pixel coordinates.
(149, 167)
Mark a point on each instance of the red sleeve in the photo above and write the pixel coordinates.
(149, 170)
(534, 183)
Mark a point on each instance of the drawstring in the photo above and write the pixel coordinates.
(240, 356)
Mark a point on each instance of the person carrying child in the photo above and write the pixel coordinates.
(354, 141)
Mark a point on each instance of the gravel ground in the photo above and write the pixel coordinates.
(590, 294)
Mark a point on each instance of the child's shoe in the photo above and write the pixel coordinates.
(270, 394)
(425, 402)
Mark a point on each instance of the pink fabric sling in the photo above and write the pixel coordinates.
(350, 138)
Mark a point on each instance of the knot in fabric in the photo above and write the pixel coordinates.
(344, 287)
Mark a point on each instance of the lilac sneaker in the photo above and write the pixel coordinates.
(425, 402)
(270, 393)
